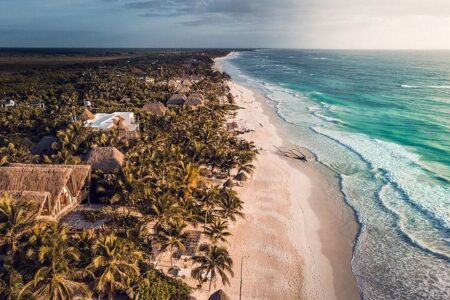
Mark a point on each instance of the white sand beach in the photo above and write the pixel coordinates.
(296, 239)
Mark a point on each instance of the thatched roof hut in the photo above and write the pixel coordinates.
(184, 90)
(172, 83)
(176, 99)
(219, 295)
(186, 83)
(86, 115)
(44, 146)
(105, 158)
(194, 100)
(59, 187)
(241, 176)
(229, 183)
(158, 109)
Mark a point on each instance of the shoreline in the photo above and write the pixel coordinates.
(313, 259)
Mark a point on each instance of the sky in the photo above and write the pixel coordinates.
(335, 24)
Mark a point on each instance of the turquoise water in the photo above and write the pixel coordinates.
(381, 120)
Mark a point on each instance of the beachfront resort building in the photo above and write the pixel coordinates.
(56, 189)
(124, 121)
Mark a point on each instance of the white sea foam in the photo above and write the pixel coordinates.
(329, 119)
(405, 86)
(402, 169)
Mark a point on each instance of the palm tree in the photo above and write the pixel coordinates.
(114, 265)
(214, 263)
(173, 237)
(16, 220)
(164, 209)
(11, 283)
(217, 231)
(209, 202)
(54, 276)
(230, 205)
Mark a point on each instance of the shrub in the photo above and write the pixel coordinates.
(157, 286)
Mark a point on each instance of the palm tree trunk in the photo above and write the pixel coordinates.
(210, 281)
(171, 255)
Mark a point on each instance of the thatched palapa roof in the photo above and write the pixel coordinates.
(187, 83)
(241, 176)
(219, 295)
(44, 178)
(86, 115)
(184, 90)
(158, 109)
(51, 179)
(44, 146)
(194, 100)
(105, 158)
(177, 99)
(229, 183)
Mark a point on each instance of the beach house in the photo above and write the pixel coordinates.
(56, 189)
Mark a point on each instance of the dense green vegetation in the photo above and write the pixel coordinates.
(163, 179)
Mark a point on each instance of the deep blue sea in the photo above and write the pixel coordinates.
(381, 121)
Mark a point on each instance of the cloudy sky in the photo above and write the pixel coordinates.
(405, 24)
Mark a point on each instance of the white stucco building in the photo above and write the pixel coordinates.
(122, 120)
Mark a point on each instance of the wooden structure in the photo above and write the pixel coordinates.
(57, 189)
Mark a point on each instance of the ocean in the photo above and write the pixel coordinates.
(381, 121)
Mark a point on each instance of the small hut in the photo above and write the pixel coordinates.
(184, 90)
(241, 176)
(186, 83)
(158, 109)
(194, 100)
(106, 159)
(219, 295)
(86, 115)
(44, 146)
(228, 184)
(176, 99)
(172, 83)
(57, 189)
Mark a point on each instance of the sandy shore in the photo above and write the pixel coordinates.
(296, 239)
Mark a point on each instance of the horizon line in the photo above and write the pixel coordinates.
(228, 48)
